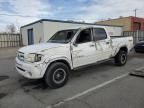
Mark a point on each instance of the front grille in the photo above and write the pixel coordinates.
(20, 56)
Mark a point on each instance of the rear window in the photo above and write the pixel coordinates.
(99, 34)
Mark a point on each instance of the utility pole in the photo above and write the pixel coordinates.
(135, 10)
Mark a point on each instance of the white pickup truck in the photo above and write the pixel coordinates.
(68, 50)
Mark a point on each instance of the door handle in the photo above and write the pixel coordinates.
(92, 45)
(107, 42)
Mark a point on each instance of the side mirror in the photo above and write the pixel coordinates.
(74, 44)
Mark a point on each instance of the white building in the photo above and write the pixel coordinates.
(42, 30)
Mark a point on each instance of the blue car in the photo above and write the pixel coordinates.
(139, 47)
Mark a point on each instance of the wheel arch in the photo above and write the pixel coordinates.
(123, 48)
(62, 60)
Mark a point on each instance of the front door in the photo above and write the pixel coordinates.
(30, 37)
(83, 52)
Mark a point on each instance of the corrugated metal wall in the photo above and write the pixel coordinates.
(137, 35)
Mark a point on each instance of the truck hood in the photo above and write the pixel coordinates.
(39, 47)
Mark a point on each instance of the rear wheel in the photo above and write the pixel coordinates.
(121, 58)
(57, 75)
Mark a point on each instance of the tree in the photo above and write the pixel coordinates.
(11, 28)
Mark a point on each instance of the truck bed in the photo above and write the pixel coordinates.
(120, 41)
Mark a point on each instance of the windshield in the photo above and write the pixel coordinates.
(63, 36)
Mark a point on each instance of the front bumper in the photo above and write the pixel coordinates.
(31, 71)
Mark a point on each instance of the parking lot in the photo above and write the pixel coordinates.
(99, 86)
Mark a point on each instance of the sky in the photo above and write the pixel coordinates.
(21, 12)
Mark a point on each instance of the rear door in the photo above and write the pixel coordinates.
(103, 43)
(84, 51)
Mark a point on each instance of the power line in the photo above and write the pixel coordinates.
(28, 16)
(17, 15)
(20, 15)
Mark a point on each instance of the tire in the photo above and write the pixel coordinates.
(121, 58)
(56, 75)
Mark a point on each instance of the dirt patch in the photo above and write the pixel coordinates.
(3, 78)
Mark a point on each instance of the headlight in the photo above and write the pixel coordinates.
(38, 57)
(33, 57)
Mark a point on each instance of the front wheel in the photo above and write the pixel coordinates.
(121, 58)
(57, 75)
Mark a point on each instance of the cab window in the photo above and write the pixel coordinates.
(99, 34)
(63, 36)
(84, 36)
